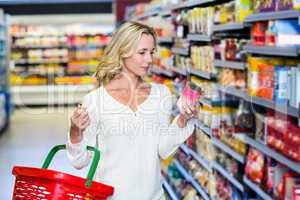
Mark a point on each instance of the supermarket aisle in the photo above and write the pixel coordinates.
(32, 133)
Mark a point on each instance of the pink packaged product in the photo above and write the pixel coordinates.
(192, 93)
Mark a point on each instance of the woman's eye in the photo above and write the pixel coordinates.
(141, 53)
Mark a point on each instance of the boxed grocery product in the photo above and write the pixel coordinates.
(291, 182)
(243, 8)
(284, 5)
(287, 32)
(281, 84)
(264, 5)
(258, 33)
(296, 4)
(266, 81)
(255, 166)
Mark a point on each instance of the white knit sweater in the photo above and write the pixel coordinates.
(131, 143)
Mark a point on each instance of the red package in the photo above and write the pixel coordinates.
(290, 180)
(266, 80)
(259, 33)
(255, 166)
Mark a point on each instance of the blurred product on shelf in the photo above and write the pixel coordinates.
(232, 12)
(202, 58)
(52, 54)
(283, 135)
(200, 20)
(233, 78)
(274, 79)
(229, 49)
(204, 146)
(225, 191)
(281, 33)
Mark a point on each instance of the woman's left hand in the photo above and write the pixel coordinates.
(187, 111)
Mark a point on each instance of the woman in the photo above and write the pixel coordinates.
(127, 119)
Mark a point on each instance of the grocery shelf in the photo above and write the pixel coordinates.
(42, 61)
(205, 75)
(165, 13)
(191, 3)
(256, 189)
(202, 161)
(228, 27)
(280, 107)
(272, 153)
(190, 179)
(228, 150)
(165, 40)
(185, 149)
(180, 51)
(228, 176)
(265, 16)
(169, 190)
(230, 64)
(147, 14)
(198, 37)
(203, 127)
(272, 51)
(179, 71)
(39, 47)
(49, 94)
(212, 103)
(162, 72)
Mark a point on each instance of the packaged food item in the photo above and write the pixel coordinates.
(192, 93)
(281, 84)
(255, 166)
(245, 120)
(266, 81)
(265, 5)
(258, 33)
(296, 4)
(253, 74)
(291, 181)
(284, 5)
(243, 8)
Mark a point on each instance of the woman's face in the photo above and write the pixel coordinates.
(141, 59)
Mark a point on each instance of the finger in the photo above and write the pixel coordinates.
(84, 125)
(85, 117)
(186, 108)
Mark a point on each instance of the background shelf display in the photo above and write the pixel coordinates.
(228, 150)
(270, 152)
(272, 51)
(169, 190)
(273, 16)
(180, 51)
(228, 176)
(205, 75)
(256, 189)
(228, 27)
(203, 127)
(190, 179)
(162, 72)
(179, 70)
(165, 40)
(199, 37)
(230, 64)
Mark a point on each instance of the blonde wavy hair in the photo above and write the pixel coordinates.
(122, 45)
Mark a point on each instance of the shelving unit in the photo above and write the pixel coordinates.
(169, 190)
(162, 72)
(272, 51)
(256, 189)
(228, 176)
(271, 153)
(199, 37)
(201, 74)
(162, 40)
(229, 27)
(180, 51)
(190, 179)
(230, 31)
(5, 102)
(228, 150)
(230, 64)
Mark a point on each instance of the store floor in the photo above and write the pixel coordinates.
(33, 131)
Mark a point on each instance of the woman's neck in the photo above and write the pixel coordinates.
(125, 81)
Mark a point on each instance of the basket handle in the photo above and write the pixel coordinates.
(92, 169)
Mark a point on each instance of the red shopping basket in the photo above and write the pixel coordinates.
(44, 184)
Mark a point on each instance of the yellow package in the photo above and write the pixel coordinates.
(296, 4)
(253, 84)
(243, 8)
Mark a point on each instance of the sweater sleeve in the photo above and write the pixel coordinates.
(171, 135)
(77, 153)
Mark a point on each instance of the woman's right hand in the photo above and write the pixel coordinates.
(79, 122)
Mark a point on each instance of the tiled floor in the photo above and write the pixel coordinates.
(33, 131)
